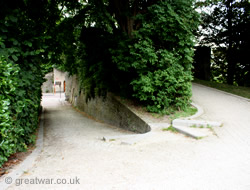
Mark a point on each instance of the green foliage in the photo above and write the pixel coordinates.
(170, 128)
(19, 109)
(95, 65)
(23, 49)
(182, 114)
(226, 30)
(148, 57)
(8, 78)
(85, 48)
(160, 54)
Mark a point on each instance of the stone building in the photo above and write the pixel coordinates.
(59, 80)
(55, 82)
(47, 86)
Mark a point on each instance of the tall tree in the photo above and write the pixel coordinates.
(138, 48)
(225, 29)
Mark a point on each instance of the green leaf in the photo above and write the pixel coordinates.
(14, 57)
(13, 18)
(29, 44)
(15, 42)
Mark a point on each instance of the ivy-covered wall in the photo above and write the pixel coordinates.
(149, 60)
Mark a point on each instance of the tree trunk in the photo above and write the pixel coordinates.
(202, 63)
(230, 59)
(125, 12)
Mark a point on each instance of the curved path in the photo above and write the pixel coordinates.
(164, 160)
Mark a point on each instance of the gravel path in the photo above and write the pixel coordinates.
(164, 160)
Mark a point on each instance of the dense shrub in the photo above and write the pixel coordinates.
(19, 108)
(21, 78)
(8, 133)
(160, 53)
(146, 53)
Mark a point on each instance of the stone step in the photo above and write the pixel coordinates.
(195, 123)
(192, 132)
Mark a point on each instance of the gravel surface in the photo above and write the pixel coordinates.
(163, 160)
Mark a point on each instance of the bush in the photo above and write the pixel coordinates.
(19, 109)
(160, 53)
(8, 131)
(138, 50)
(21, 78)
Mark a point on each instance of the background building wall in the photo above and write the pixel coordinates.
(47, 86)
(59, 77)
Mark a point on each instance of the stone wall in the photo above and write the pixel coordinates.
(109, 110)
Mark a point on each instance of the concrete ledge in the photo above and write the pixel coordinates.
(191, 132)
(195, 123)
(112, 111)
(107, 109)
(191, 127)
(194, 128)
(198, 113)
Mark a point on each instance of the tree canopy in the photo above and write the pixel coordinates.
(226, 28)
(144, 46)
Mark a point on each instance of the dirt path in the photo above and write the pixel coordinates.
(164, 160)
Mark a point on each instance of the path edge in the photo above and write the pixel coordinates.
(224, 92)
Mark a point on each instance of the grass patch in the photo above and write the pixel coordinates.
(186, 113)
(166, 115)
(195, 126)
(212, 130)
(199, 138)
(237, 90)
(170, 128)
